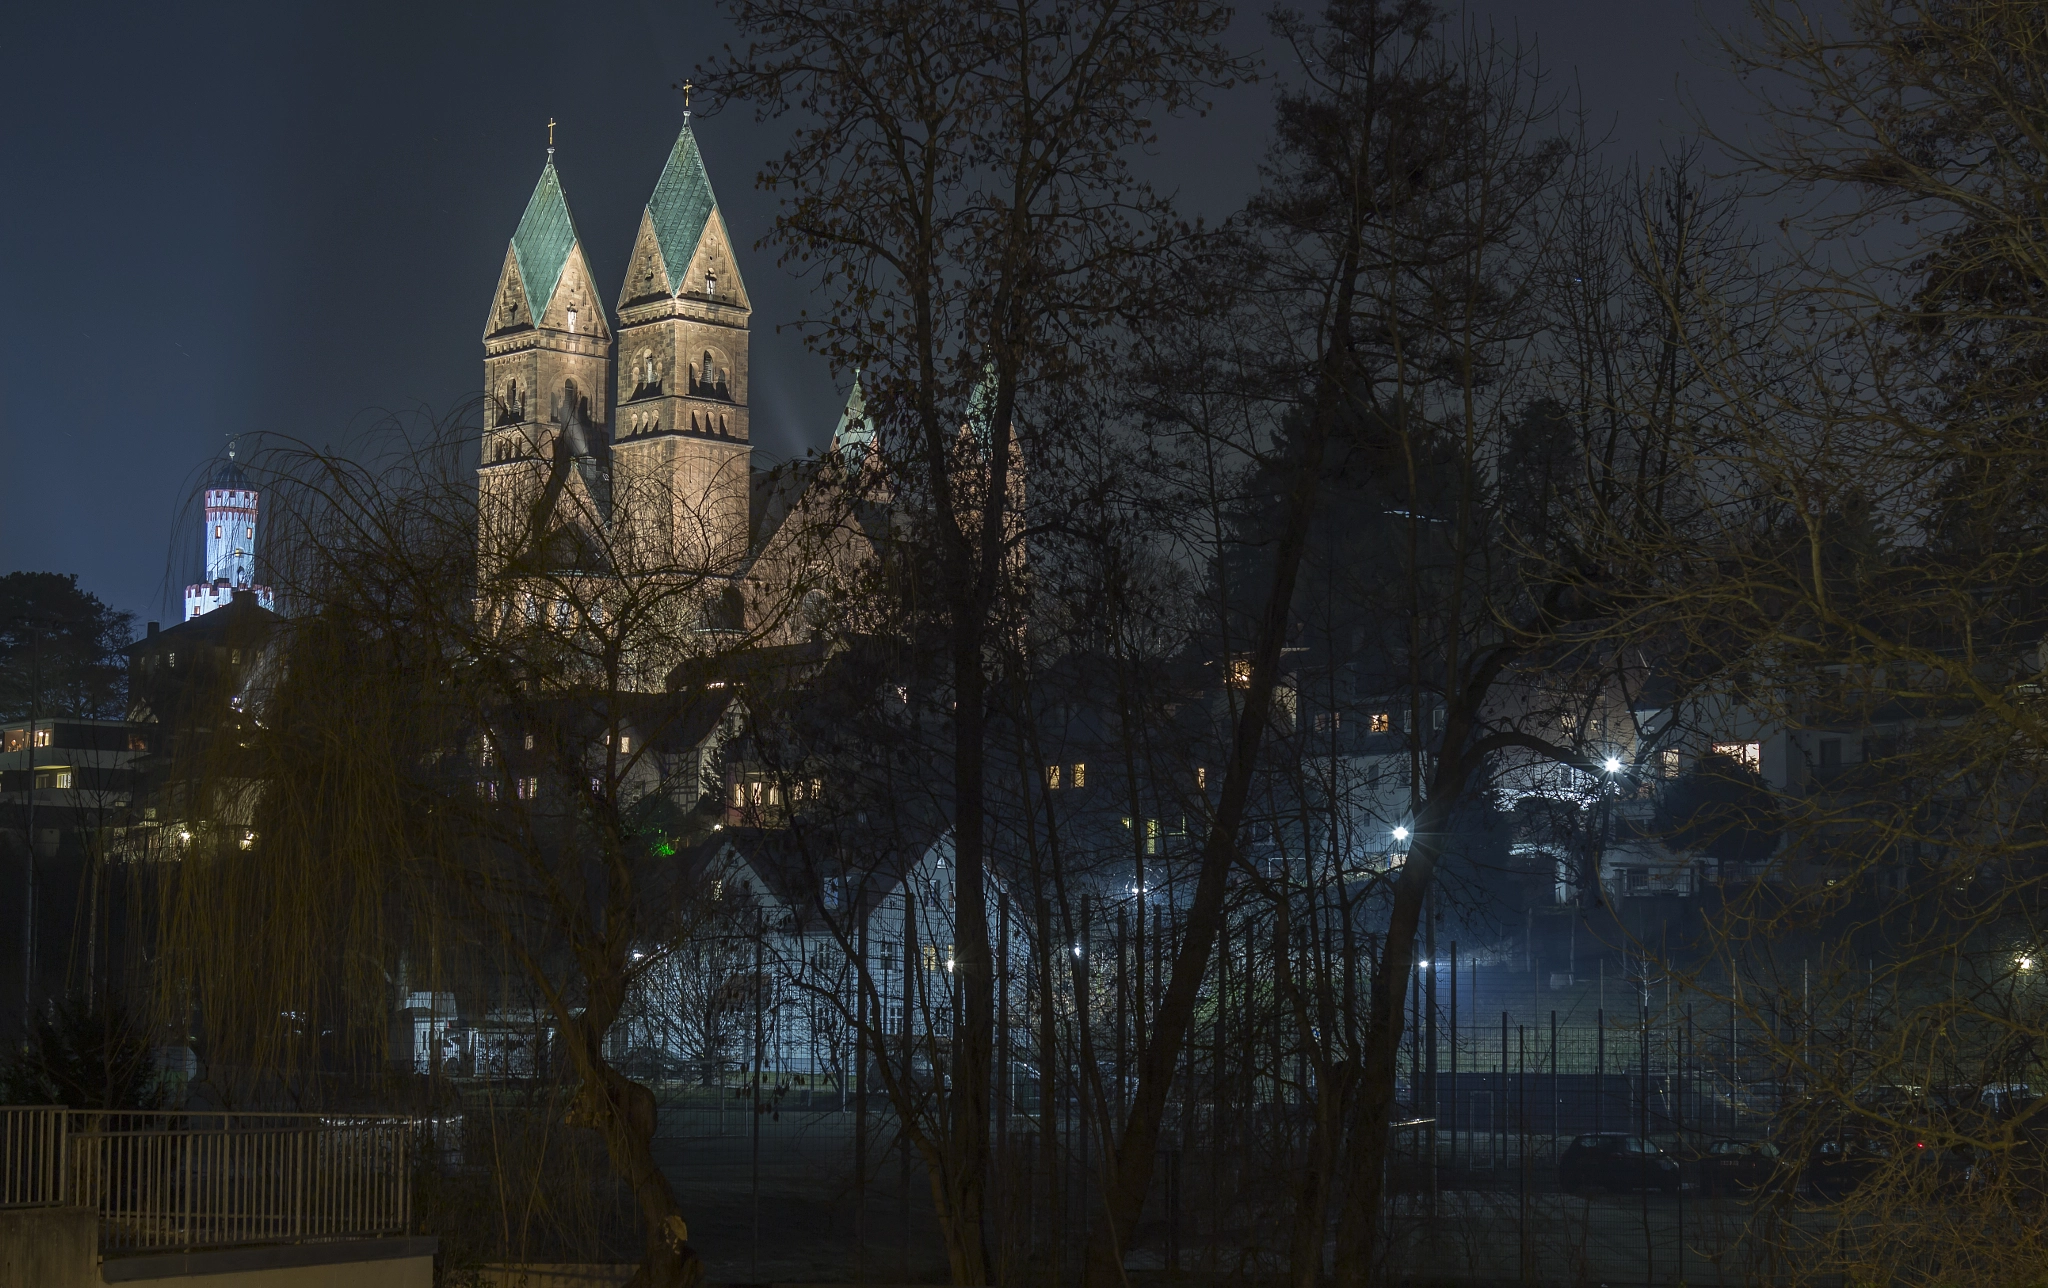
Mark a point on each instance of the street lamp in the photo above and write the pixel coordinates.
(1400, 833)
(1612, 765)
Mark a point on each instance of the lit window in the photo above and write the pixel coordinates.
(1747, 754)
(216, 532)
(931, 956)
(42, 738)
(1201, 779)
(1240, 673)
(487, 789)
(739, 795)
(1151, 836)
(1080, 774)
(1052, 778)
(625, 744)
(251, 532)
(234, 657)
(1381, 722)
(529, 742)
(1670, 759)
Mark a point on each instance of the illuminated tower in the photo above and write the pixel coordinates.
(547, 373)
(680, 438)
(230, 543)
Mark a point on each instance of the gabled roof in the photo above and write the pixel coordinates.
(681, 206)
(546, 236)
(241, 620)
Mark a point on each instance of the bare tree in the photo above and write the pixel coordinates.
(486, 767)
(960, 183)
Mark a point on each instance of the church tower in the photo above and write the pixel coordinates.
(681, 454)
(547, 381)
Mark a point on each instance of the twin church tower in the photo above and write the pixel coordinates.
(657, 448)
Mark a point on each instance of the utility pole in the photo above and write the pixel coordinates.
(28, 902)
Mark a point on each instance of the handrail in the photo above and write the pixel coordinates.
(32, 1149)
(253, 1178)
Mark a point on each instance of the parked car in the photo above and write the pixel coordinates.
(1730, 1166)
(1612, 1160)
(1843, 1160)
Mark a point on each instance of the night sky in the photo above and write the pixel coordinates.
(290, 218)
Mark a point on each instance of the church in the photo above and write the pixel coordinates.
(622, 436)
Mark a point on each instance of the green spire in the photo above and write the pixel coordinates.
(681, 206)
(546, 236)
(855, 435)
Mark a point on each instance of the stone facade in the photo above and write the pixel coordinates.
(639, 441)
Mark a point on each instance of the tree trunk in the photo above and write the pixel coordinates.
(1317, 1184)
(1358, 1225)
(1132, 1161)
(624, 1111)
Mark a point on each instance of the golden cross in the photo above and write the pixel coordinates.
(687, 87)
(551, 131)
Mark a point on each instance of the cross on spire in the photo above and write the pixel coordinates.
(687, 87)
(551, 136)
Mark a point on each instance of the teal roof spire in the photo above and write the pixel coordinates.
(855, 436)
(546, 236)
(681, 206)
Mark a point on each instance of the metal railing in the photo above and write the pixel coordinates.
(171, 1181)
(31, 1155)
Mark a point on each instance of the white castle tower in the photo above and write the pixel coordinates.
(230, 543)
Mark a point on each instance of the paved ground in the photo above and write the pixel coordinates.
(811, 1216)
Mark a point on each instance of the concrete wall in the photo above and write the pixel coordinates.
(49, 1247)
(542, 1275)
(347, 1263)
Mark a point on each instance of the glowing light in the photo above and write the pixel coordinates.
(1613, 765)
(1400, 833)
(2026, 963)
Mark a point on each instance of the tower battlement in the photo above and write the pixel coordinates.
(231, 511)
